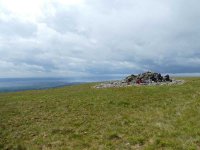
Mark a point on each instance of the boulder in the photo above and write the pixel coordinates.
(130, 78)
(167, 78)
(147, 77)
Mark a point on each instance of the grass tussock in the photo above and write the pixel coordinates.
(81, 117)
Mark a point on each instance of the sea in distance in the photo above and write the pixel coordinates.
(22, 84)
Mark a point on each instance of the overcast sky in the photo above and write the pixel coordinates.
(98, 38)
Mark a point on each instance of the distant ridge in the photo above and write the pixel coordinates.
(22, 84)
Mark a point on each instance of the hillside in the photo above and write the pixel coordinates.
(81, 117)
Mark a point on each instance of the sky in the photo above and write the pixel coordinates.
(98, 38)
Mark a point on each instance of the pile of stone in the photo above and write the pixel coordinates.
(147, 78)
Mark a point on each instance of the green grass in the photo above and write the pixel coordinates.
(81, 117)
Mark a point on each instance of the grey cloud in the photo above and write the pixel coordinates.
(63, 21)
(108, 38)
(16, 28)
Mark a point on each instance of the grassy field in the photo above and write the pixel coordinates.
(80, 117)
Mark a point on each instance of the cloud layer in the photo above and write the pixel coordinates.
(87, 38)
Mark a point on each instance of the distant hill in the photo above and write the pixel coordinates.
(21, 84)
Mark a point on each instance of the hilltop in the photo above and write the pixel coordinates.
(82, 117)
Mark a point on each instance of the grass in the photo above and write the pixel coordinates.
(81, 117)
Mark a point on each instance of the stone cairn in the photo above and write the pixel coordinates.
(146, 78)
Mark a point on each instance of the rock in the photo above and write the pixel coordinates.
(130, 78)
(166, 78)
(146, 78)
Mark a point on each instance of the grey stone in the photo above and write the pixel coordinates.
(146, 78)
